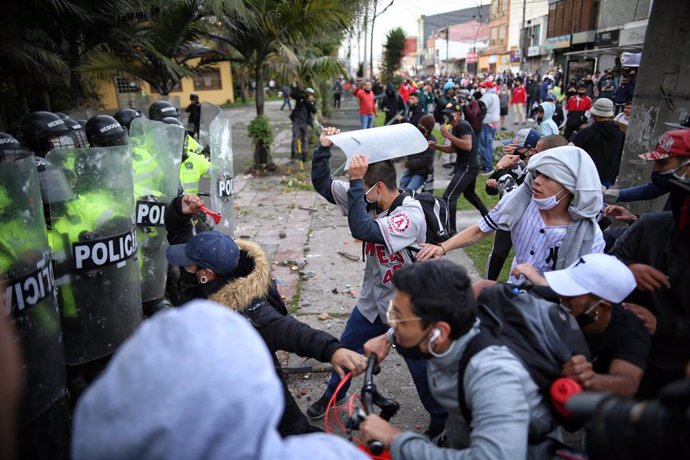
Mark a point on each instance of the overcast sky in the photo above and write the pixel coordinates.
(404, 13)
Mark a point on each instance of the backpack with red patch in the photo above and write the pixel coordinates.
(435, 214)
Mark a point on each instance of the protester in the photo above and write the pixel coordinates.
(302, 117)
(576, 106)
(367, 107)
(544, 113)
(622, 119)
(415, 109)
(656, 248)
(489, 125)
(392, 105)
(337, 93)
(194, 119)
(552, 216)
(433, 314)
(237, 274)
(205, 388)
(518, 101)
(603, 141)
(420, 165)
(388, 234)
(593, 289)
(464, 143)
(504, 100)
(624, 94)
(285, 89)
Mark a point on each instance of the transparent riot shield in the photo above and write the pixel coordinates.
(221, 174)
(156, 157)
(29, 286)
(94, 244)
(209, 112)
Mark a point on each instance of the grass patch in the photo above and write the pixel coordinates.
(249, 101)
(294, 303)
(297, 180)
(463, 205)
(479, 253)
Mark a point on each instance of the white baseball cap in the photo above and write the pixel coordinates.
(599, 274)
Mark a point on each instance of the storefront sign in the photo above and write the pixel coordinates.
(609, 38)
(515, 56)
(634, 36)
(562, 41)
(533, 51)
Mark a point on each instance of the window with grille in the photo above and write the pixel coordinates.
(126, 85)
(210, 79)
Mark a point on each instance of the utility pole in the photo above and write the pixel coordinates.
(366, 23)
(371, 48)
(447, 41)
(523, 32)
(662, 91)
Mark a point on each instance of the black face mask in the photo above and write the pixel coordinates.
(586, 318)
(412, 352)
(661, 179)
(448, 118)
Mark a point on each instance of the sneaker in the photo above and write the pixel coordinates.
(318, 409)
(487, 172)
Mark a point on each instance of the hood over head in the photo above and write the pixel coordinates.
(549, 109)
(191, 383)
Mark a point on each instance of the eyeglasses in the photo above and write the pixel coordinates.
(392, 321)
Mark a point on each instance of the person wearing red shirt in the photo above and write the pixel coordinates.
(405, 89)
(576, 106)
(518, 101)
(367, 107)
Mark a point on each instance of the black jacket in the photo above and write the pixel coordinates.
(603, 141)
(422, 164)
(392, 104)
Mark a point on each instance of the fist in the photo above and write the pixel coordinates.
(328, 131)
(191, 204)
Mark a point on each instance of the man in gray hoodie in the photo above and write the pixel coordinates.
(433, 315)
(205, 388)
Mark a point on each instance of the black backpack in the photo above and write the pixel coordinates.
(482, 111)
(542, 334)
(435, 214)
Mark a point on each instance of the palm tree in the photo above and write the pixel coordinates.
(280, 26)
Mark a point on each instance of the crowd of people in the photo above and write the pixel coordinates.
(201, 380)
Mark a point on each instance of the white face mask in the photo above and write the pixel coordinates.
(544, 204)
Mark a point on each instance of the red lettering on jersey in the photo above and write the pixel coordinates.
(397, 257)
(369, 249)
(388, 276)
(381, 254)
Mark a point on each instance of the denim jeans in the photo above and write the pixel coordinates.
(366, 121)
(411, 181)
(486, 147)
(357, 331)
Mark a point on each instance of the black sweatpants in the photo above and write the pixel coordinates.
(499, 254)
(463, 182)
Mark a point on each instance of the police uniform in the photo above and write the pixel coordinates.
(194, 166)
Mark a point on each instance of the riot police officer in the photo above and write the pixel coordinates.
(95, 252)
(30, 294)
(194, 164)
(150, 194)
(125, 117)
(44, 131)
(77, 130)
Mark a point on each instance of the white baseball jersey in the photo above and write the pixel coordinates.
(405, 227)
(533, 240)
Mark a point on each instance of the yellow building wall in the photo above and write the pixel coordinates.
(108, 91)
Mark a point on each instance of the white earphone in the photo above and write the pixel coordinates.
(435, 335)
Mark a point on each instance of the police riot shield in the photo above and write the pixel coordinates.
(94, 246)
(29, 286)
(209, 112)
(221, 174)
(156, 157)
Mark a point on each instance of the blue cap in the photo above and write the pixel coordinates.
(213, 250)
(526, 138)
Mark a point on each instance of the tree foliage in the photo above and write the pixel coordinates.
(393, 52)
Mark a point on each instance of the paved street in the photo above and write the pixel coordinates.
(315, 260)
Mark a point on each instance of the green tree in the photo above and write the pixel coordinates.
(279, 27)
(393, 52)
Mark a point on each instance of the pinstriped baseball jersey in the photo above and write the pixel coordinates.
(533, 240)
(404, 227)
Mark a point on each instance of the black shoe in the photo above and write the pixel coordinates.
(318, 409)
(434, 430)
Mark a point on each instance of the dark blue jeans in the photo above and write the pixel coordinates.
(357, 331)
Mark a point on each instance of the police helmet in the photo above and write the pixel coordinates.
(125, 117)
(53, 183)
(77, 130)
(8, 145)
(162, 109)
(172, 121)
(44, 131)
(105, 131)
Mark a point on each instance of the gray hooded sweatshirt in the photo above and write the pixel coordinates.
(193, 383)
(548, 126)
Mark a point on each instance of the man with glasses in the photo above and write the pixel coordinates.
(389, 224)
(433, 316)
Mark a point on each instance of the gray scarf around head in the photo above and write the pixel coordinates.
(573, 168)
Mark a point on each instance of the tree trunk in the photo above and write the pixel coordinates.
(259, 93)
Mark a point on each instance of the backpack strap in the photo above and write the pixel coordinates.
(479, 342)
